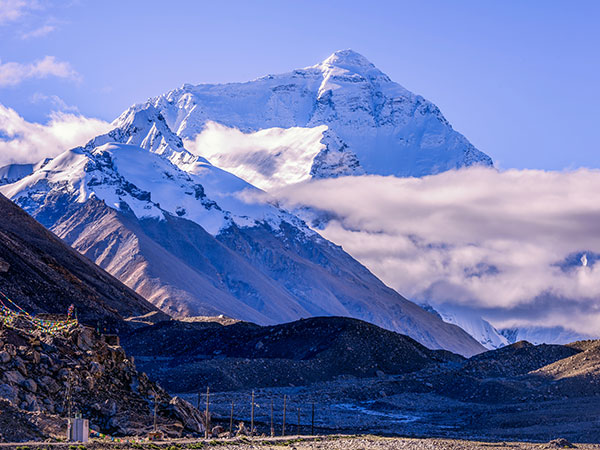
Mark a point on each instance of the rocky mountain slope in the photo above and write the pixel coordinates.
(350, 116)
(46, 376)
(39, 365)
(182, 233)
(44, 275)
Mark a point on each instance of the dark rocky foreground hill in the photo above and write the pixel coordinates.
(43, 275)
(187, 356)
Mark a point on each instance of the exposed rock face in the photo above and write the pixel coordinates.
(50, 375)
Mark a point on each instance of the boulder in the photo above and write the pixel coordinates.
(30, 403)
(189, 416)
(9, 393)
(13, 377)
(11, 349)
(30, 385)
(4, 357)
(85, 338)
(560, 443)
(48, 383)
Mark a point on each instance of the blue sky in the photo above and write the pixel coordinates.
(518, 79)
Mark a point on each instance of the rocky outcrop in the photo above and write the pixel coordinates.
(47, 377)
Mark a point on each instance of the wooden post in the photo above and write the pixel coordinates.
(231, 421)
(252, 417)
(155, 408)
(298, 429)
(312, 421)
(206, 425)
(272, 428)
(283, 426)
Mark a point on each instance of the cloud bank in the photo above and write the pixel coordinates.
(13, 73)
(26, 142)
(509, 244)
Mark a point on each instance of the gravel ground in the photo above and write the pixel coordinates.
(371, 407)
(309, 443)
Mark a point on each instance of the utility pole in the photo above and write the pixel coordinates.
(231, 421)
(312, 422)
(283, 426)
(252, 417)
(272, 428)
(206, 425)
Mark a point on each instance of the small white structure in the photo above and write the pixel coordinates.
(78, 430)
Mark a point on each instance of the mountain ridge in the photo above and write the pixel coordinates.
(169, 222)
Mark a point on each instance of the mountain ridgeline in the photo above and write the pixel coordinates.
(194, 239)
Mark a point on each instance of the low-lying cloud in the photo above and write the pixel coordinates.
(267, 158)
(493, 241)
(27, 142)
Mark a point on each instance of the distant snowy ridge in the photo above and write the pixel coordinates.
(359, 121)
(543, 335)
(480, 329)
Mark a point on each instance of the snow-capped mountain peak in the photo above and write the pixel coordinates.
(350, 62)
(367, 124)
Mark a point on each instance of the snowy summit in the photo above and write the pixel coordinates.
(340, 117)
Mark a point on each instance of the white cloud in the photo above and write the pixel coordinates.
(54, 100)
(13, 73)
(38, 32)
(478, 237)
(11, 10)
(268, 158)
(25, 142)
